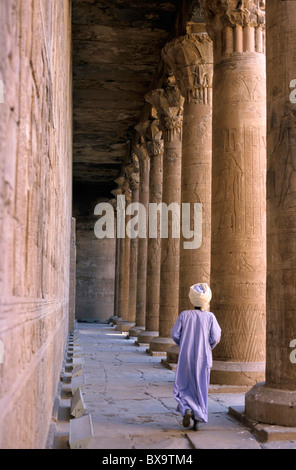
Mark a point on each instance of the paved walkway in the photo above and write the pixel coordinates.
(129, 395)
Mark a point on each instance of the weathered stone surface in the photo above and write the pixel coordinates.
(133, 175)
(123, 308)
(77, 404)
(35, 213)
(238, 261)
(72, 284)
(144, 162)
(95, 267)
(191, 60)
(81, 432)
(168, 103)
(154, 244)
(274, 402)
(143, 410)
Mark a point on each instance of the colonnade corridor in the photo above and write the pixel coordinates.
(129, 395)
(147, 149)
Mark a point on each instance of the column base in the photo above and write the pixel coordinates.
(144, 337)
(124, 325)
(135, 330)
(237, 373)
(171, 360)
(271, 405)
(159, 346)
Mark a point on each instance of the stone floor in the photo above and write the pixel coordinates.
(129, 395)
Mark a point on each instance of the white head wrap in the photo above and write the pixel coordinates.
(200, 295)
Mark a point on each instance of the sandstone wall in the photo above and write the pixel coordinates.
(95, 262)
(35, 213)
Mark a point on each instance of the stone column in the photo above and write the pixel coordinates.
(132, 173)
(142, 153)
(124, 278)
(121, 274)
(191, 59)
(119, 263)
(154, 244)
(169, 106)
(72, 284)
(116, 280)
(274, 401)
(238, 262)
(118, 260)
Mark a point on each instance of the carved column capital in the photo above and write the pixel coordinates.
(134, 180)
(120, 181)
(157, 147)
(143, 128)
(169, 106)
(220, 14)
(132, 173)
(123, 187)
(141, 149)
(116, 192)
(113, 203)
(191, 60)
(142, 152)
(236, 26)
(157, 144)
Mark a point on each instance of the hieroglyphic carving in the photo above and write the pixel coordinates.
(168, 103)
(229, 189)
(229, 13)
(191, 59)
(142, 150)
(284, 156)
(238, 198)
(132, 172)
(242, 25)
(248, 88)
(242, 325)
(156, 146)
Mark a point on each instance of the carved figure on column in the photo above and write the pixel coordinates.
(236, 26)
(273, 401)
(238, 253)
(191, 60)
(133, 176)
(123, 283)
(142, 151)
(190, 57)
(156, 148)
(168, 103)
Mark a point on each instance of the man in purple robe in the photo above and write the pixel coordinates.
(196, 332)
